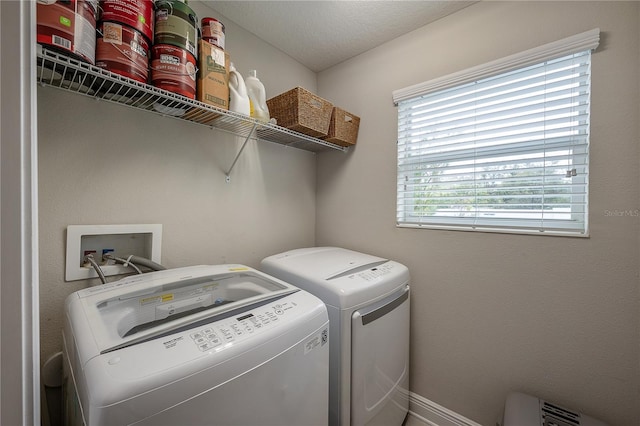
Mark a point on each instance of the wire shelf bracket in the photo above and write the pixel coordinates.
(228, 174)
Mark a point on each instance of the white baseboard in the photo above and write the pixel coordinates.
(431, 414)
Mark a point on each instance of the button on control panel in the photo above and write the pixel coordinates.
(234, 329)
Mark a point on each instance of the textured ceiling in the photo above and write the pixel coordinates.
(320, 34)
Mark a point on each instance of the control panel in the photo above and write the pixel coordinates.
(216, 334)
(374, 273)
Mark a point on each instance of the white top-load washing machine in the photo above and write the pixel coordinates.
(223, 345)
(368, 302)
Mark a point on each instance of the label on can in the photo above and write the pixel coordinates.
(85, 31)
(169, 59)
(112, 33)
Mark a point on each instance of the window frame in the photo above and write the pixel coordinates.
(584, 42)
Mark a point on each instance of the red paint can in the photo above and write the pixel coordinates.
(173, 69)
(122, 50)
(68, 26)
(137, 14)
(213, 31)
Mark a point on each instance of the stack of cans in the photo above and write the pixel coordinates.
(124, 36)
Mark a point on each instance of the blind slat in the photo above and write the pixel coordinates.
(515, 152)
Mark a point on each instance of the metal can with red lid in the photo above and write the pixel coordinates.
(173, 69)
(123, 50)
(213, 31)
(137, 14)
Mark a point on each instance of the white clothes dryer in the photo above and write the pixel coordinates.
(223, 345)
(368, 302)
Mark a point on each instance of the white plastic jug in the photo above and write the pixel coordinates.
(238, 96)
(257, 97)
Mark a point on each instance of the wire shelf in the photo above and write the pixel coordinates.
(66, 73)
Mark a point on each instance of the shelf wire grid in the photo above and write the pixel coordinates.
(67, 73)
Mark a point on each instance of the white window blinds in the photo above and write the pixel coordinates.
(506, 152)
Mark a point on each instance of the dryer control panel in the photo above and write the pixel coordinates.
(375, 272)
(216, 334)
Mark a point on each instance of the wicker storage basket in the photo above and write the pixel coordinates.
(301, 111)
(343, 128)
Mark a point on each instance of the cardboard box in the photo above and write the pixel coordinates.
(213, 75)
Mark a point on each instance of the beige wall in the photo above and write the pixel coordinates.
(556, 317)
(106, 164)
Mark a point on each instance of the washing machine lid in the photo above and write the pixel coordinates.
(340, 277)
(143, 307)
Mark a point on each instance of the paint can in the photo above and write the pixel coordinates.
(122, 50)
(173, 69)
(213, 31)
(137, 14)
(69, 27)
(176, 24)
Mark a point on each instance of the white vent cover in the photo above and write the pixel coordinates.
(525, 410)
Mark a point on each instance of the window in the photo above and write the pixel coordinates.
(502, 147)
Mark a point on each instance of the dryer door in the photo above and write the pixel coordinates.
(380, 362)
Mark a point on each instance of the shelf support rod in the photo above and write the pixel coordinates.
(228, 174)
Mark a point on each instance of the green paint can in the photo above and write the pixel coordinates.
(176, 24)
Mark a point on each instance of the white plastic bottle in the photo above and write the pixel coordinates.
(238, 96)
(257, 97)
